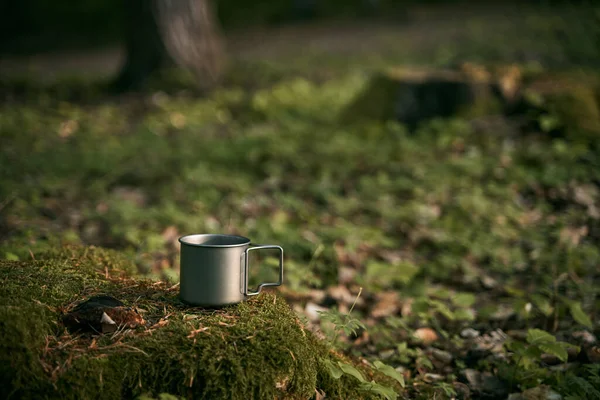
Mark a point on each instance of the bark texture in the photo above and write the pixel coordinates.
(169, 33)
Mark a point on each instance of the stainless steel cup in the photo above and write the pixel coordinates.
(214, 269)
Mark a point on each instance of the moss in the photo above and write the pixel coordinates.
(257, 349)
(577, 110)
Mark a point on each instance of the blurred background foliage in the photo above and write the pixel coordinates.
(34, 25)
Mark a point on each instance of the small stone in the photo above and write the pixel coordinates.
(429, 377)
(469, 333)
(442, 356)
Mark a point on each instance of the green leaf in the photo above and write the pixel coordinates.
(533, 352)
(424, 362)
(443, 309)
(352, 325)
(389, 371)
(332, 316)
(420, 306)
(549, 122)
(579, 315)
(536, 336)
(402, 347)
(555, 349)
(515, 346)
(570, 346)
(542, 303)
(350, 370)
(11, 257)
(464, 299)
(387, 392)
(464, 314)
(334, 371)
(442, 293)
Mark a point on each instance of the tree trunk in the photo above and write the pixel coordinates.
(165, 33)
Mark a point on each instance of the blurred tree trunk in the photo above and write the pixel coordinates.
(168, 33)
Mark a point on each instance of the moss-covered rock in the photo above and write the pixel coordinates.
(257, 349)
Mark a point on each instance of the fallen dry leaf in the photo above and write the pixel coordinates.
(67, 128)
(195, 331)
(160, 323)
(387, 304)
(341, 294)
(425, 335)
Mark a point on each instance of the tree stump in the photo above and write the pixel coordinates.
(414, 95)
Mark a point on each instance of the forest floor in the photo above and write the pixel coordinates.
(462, 253)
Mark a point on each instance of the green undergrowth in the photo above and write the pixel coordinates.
(258, 349)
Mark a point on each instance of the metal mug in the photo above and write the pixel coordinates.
(214, 269)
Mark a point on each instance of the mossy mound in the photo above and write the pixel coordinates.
(257, 349)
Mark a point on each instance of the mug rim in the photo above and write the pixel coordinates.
(186, 240)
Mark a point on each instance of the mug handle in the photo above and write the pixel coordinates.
(246, 266)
